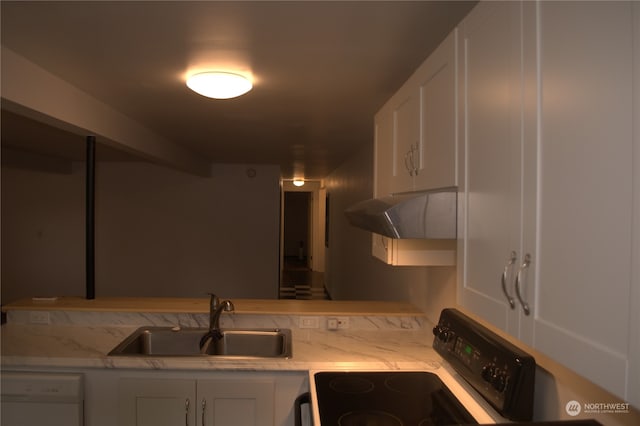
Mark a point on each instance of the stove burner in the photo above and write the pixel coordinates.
(409, 384)
(392, 398)
(351, 385)
(368, 418)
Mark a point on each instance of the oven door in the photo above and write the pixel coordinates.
(394, 398)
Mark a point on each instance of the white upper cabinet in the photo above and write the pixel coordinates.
(415, 142)
(383, 152)
(415, 150)
(585, 192)
(546, 181)
(406, 138)
(436, 162)
(490, 205)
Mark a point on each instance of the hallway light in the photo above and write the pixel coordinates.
(219, 85)
(298, 182)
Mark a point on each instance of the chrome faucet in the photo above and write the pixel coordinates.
(214, 317)
(215, 310)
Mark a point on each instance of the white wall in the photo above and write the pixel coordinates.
(352, 272)
(159, 232)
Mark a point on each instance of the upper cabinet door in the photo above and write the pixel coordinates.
(546, 246)
(585, 196)
(436, 164)
(415, 131)
(490, 245)
(406, 138)
(383, 152)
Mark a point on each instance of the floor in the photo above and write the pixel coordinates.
(299, 282)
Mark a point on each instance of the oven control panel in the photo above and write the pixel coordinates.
(502, 373)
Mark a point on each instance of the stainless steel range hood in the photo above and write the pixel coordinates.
(430, 214)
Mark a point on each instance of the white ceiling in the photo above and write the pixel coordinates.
(321, 70)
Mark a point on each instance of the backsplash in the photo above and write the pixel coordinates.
(200, 320)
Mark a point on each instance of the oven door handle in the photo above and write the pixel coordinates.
(305, 398)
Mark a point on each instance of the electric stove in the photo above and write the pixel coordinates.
(481, 379)
(387, 398)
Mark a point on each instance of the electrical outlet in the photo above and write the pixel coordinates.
(309, 322)
(332, 324)
(337, 323)
(343, 322)
(39, 317)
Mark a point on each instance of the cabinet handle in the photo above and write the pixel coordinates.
(414, 150)
(507, 267)
(187, 403)
(524, 267)
(204, 408)
(408, 161)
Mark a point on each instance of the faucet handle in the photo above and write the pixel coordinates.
(228, 306)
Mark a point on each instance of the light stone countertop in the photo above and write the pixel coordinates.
(201, 305)
(87, 347)
(80, 338)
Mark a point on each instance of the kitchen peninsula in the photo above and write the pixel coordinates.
(75, 335)
(72, 332)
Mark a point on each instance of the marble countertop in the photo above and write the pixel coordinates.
(87, 347)
(82, 338)
(201, 305)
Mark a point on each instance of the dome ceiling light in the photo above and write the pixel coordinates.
(219, 85)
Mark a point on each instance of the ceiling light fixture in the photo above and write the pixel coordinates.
(219, 85)
(298, 182)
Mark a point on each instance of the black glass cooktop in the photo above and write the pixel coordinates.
(392, 398)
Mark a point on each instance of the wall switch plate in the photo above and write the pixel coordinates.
(39, 317)
(309, 322)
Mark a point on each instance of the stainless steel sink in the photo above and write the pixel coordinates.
(185, 342)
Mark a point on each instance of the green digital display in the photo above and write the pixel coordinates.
(468, 350)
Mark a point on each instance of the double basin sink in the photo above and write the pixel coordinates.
(185, 342)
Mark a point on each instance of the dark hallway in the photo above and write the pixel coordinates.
(298, 280)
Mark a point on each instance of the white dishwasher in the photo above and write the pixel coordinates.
(33, 399)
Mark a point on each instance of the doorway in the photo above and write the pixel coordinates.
(302, 242)
(297, 229)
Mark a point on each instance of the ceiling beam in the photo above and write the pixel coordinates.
(30, 90)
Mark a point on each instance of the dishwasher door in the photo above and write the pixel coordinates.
(50, 399)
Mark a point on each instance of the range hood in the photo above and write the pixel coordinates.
(431, 214)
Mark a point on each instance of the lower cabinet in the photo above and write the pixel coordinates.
(157, 402)
(236, 402)
(227, 399)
